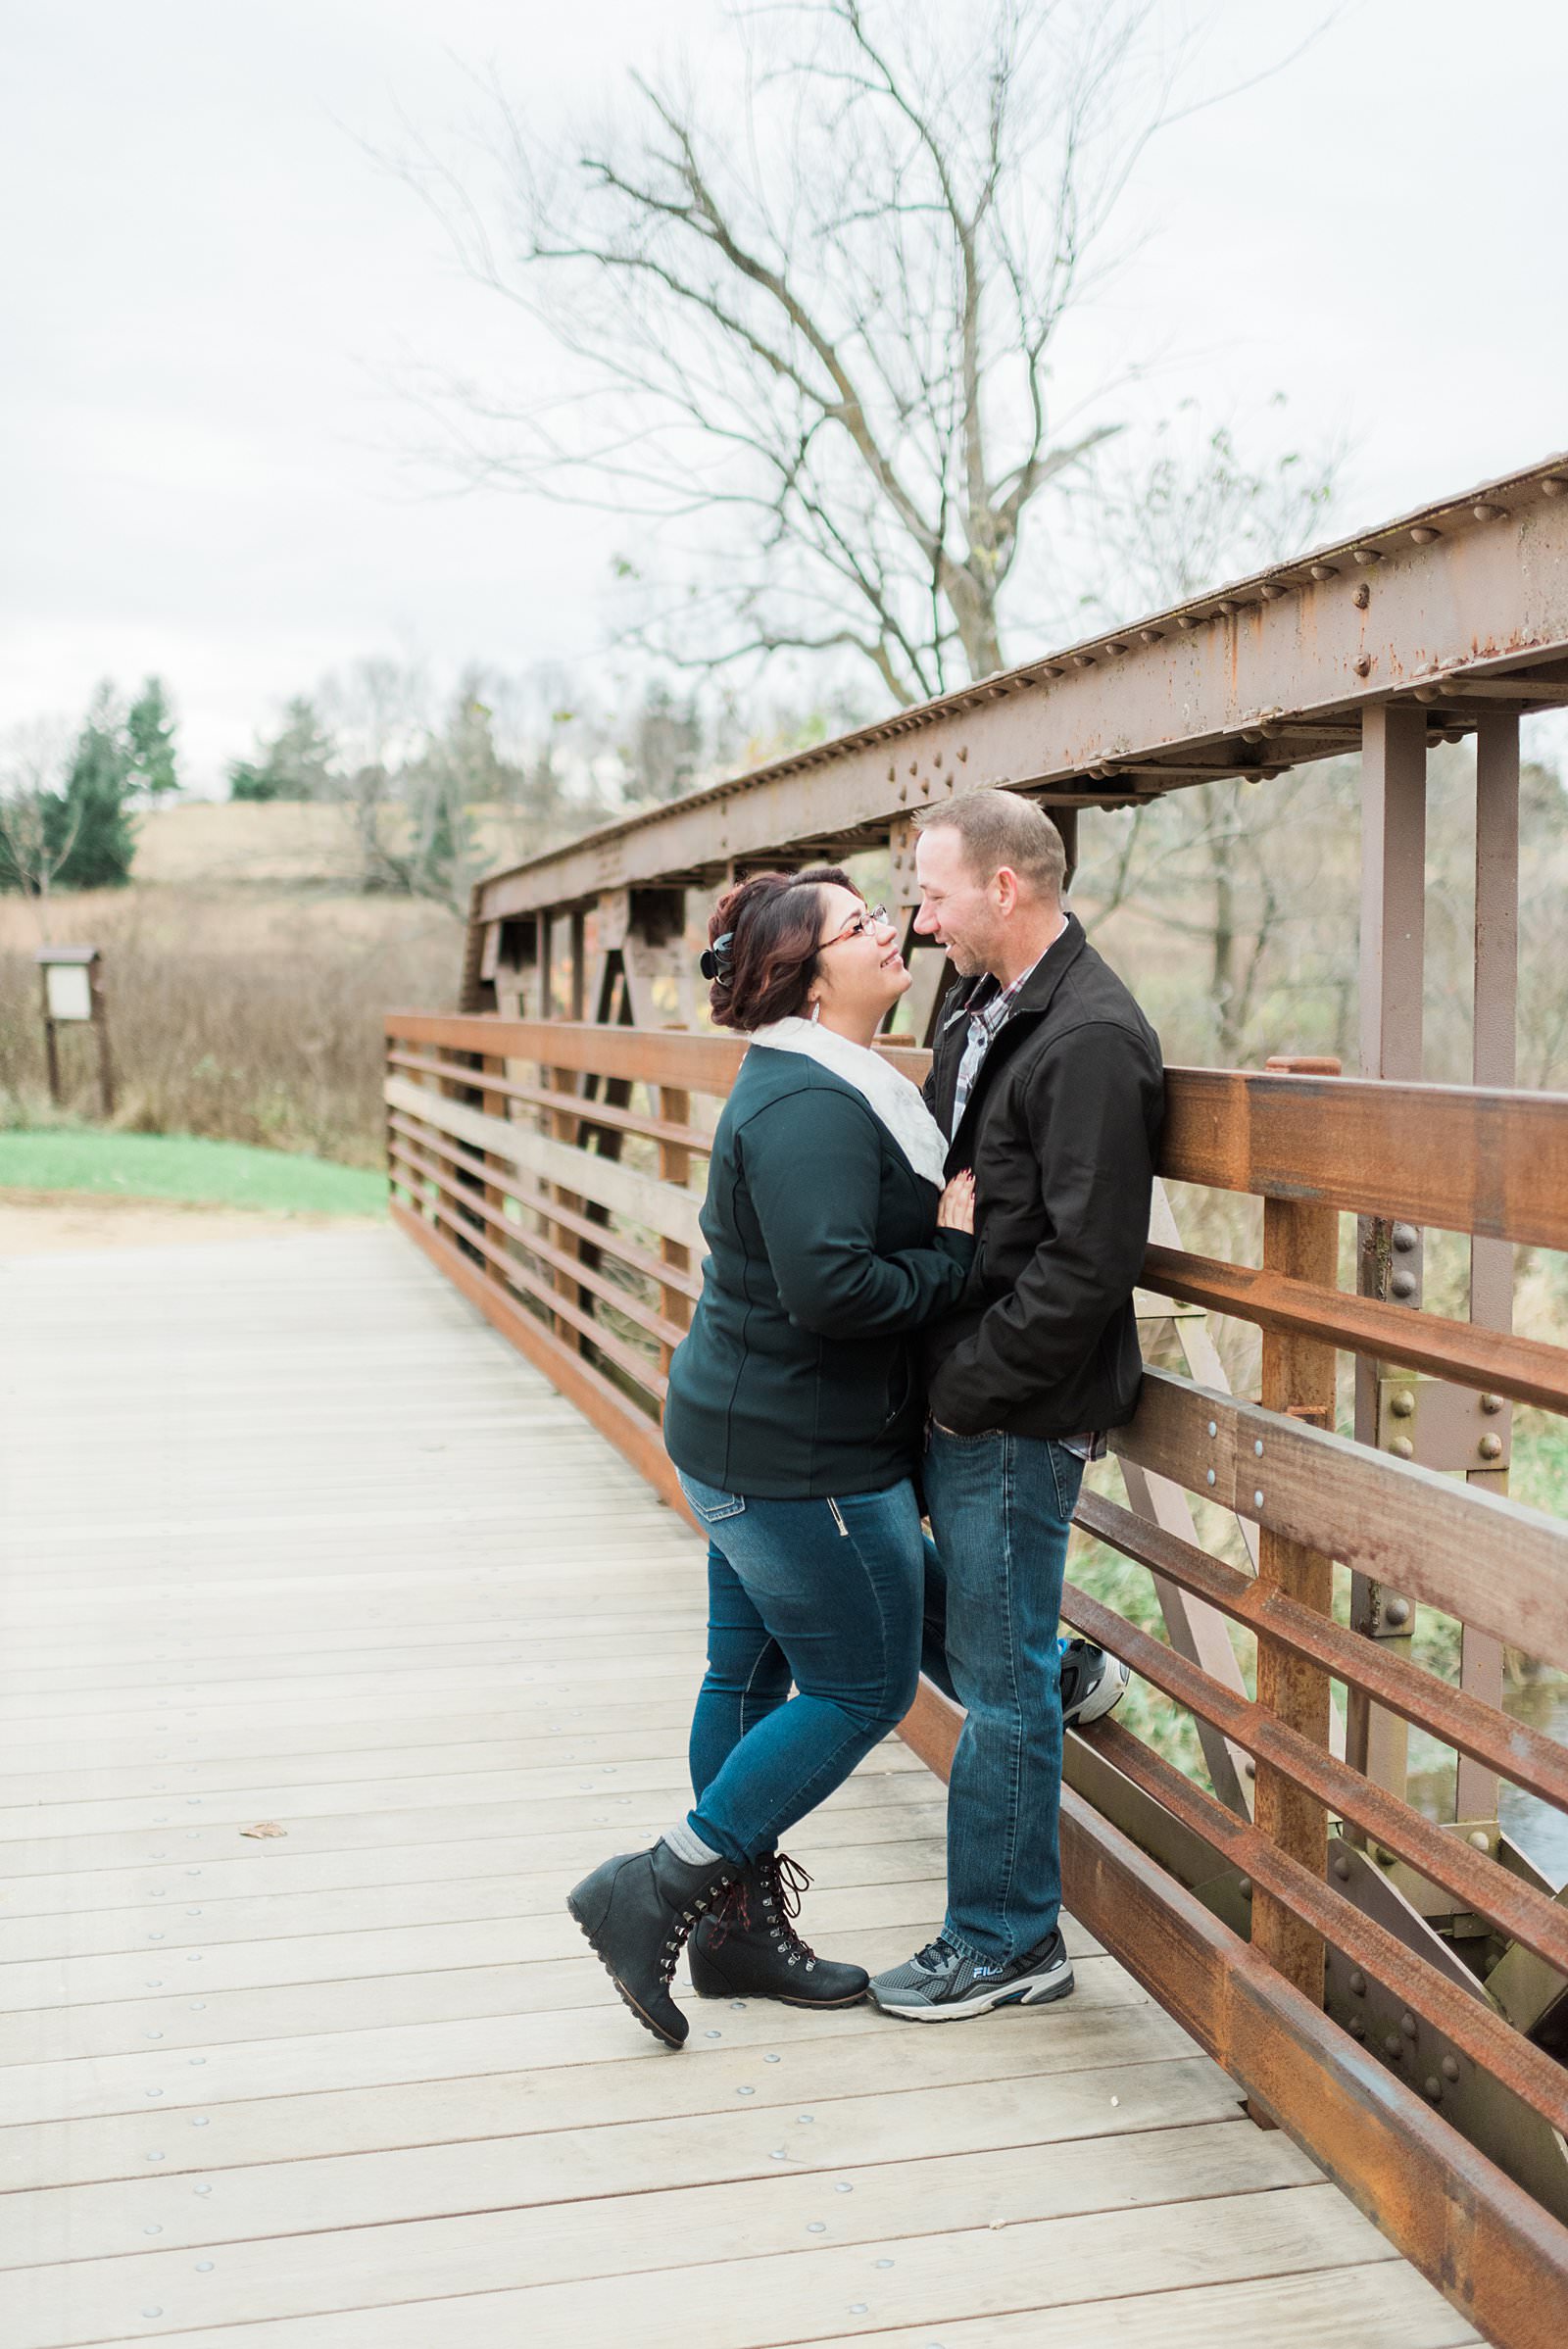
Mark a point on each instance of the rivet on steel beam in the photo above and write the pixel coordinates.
(1490, 513)
(1429, 693)
(1185, 619)
(1492, 1404)
(1423, 535)
(1402, 1403)
(1362, 667)
(1342, 1869)
(1454, 733)
(1362, 597)
(1252, 734)
(1407, 2024)
(1083, 661)
(1402, 1449)
(1212, 1476)
(1257, 1448)
(1356, 2028)
(1051, 668)
(1249, 1766)
(1225, 608)
(1214, 1427)
(1366, 554)
(1397, 1612)
(1490, 1447)
(1116, 645)
(1404, 1284)
(1450, 2068)
(1479, 1839)
(1272, 592)
(1433, 2088)
(1405, 1236)
(1245, 1887)
(1151, 636)
(1553, 487)
(1325, 570)
(1257, 1499)
(1359, 1983)
(1393, 2047)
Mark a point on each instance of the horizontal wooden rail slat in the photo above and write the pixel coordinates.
(1473, 1878)
(1487, 1360)
(1498, 2255)
(1525, 1755)
(1454, 1156)
(517, 1277)
(591, 1112)
(599, 1398)
(642, 1055)
(643, 1198)
(603, 1236)
(645, 1317)
(1489, 1561)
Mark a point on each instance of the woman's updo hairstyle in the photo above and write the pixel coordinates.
(764, 937)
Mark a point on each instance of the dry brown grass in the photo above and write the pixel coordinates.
(246, 1015)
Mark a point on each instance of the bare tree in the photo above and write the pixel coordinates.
(38, 826)
(816, 318)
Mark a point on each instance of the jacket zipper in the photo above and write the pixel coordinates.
(838, 1519)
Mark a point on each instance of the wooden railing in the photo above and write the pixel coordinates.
(1386, 1987)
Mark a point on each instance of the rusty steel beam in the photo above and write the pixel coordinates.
(1470, 587)
(1497, 2256)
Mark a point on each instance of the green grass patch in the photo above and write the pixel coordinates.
(180, 1166)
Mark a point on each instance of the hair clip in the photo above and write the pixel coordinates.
(715, 960)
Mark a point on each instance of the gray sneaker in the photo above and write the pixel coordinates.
(943, 1984)
(1091, 1683)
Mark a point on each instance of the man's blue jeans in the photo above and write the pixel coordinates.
(826, 1593)
(1000, 1506)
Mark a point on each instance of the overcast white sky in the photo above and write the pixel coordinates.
(204, 283)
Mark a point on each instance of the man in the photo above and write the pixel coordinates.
(1048, 1079)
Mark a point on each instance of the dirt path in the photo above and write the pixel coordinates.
(36, 1223)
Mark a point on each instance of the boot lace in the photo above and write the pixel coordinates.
(779, 1883)
(718, 1898)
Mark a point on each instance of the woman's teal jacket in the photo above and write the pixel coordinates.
(797, 1380)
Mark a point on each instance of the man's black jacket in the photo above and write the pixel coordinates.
(1061, 1129)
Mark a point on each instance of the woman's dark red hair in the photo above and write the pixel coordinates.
(773, 924)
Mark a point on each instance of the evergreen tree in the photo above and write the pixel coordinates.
(150, 732)
(296, 765)
(93, 813)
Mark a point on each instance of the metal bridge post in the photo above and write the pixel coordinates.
(1394, 837)
(1492, 1262)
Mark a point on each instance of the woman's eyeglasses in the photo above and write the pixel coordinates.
(873, 918)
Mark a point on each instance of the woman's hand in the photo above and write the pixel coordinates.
(956, 1210)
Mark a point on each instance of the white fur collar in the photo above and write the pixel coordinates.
(894, 1099)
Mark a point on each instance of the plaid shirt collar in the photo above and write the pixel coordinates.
(984, 1023)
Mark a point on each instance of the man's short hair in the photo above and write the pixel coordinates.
(997, 828)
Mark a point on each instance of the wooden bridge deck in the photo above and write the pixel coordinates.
(292, 1539)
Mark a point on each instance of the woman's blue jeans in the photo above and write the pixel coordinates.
(823, 1594)
(1001, 1511)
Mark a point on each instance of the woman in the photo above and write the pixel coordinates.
(794, 1418)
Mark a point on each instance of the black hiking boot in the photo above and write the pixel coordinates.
(748, 1947)
(637, 1911)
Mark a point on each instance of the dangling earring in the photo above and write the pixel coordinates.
(816, 1009)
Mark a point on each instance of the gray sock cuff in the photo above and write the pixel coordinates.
(688, 1845)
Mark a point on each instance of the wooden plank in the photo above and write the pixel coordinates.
(449, 2088)
(1486, 1559)
(747, 2300)
(529, 2175)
